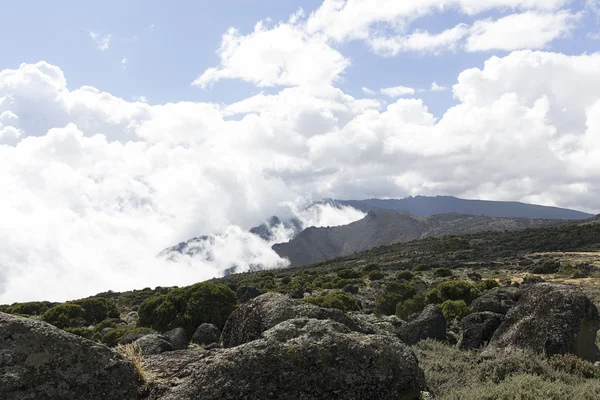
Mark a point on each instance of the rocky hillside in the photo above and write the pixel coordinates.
(426, 206)
(384, 227)
(494, 315)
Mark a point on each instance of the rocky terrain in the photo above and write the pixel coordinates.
(494, 315)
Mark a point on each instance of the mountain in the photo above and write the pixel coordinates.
(265, 230)
(384, 227)
(427, 206)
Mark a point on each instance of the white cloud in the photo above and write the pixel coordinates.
(398, 91)
(368, 91)
(420, 41)
(437, 88)
(124, 62)
(102, 41)
(529, 30)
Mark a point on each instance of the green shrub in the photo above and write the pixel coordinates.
(188, 307)
(488, 284)
(30, 308)
(327, 285)
(112, 337)
(340, 300)
(573, 365)
(406, 308)
(83, 332)
(286, 280)
(407, 275)
(442, 272)
(421, 267)
(97, 309)
(546, 267)
(371, 267)
(62, 315)
(376, 275)
(455, 309)
(453, 290)
(348, 274)
(393, 293)
(107, 323)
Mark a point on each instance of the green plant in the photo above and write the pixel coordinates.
(83, 332)
(455, 309)
(406, 275)
(97, 309)
(453, 290)
(286, 280)
(546, 267)
(340, 300)
(442, 272)
(393, 293)
(62, 315)
(421, 267)
(188, 307)
(111, 338)
(406, 308)
(371, 267)
(29, 308)
(133, 353)
(488, 284)
(348, 274)
(107, 323)
(376, 275)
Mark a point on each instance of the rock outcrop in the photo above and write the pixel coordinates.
(178, 338)
(478, 328)
(497, 300)
(251, 319)
(39, 361)
(154, 344)
(550, 319)
(431, 324)
(298, 359)
(206, 334)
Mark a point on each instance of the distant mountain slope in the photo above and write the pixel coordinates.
(426, 206)
(383, 227)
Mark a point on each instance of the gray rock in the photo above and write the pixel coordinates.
(154, 344)
(532, 280)
(497, 300)
(478, 328)
(298, 359)
(247, 293)
(550, 319)
(131, 337)
(251, 319)
(104, 331)
(131, 318)
(178, 338)
(206, 334)
(39, 361)
(431, 324)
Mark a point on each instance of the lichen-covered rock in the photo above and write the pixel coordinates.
(550, 319)
(478, 328)
(178, 338)
(298, 359)
(132, 318)
(206, 334)
(431, 324)
(154, 344)
(39, 361)
(247, 293)
(497, 300)
(251, 319)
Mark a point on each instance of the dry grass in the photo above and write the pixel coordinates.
(133, 353)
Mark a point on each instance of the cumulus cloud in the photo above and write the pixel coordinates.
(95, 186)
(398, 91)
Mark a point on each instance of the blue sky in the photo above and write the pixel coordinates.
(167, 45)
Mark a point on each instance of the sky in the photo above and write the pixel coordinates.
(127, 127)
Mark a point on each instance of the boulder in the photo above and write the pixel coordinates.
(132, 318)
(478, 328)
(497, 300)
(130, 338)
(550, 319)
(154, 344)
(206, 334)
(247, 293)
(251, 319)
(39, 361)
(532, 280)
(298, 359)
(430, 324)
(178, 338)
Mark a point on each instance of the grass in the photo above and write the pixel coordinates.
(453, 374)
(133, 353)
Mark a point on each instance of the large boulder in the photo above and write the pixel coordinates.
(550, 319)
(39, 361)
(251, 319)
(478, 328)
(154, 344)
(247, 293)
(299, 359)
(206, 334)
(497, 300)
(178, 338)
(431, 324)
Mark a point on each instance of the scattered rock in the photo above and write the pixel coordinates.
(39, 361)
(154, 344)
(132, 318)
(478, 328)
(550, 319)
(532, 280)
(247, 293)
(431, 324)
(301, 359)
(178, 338)
(496, 300)
(206, 334)
(250, 320)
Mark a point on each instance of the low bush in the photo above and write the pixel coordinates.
(455, 309)
(111, 338)
(453, 290)
(348, 274)
(546, 267)
(188, 307)
(488, 284)
(63, 315)
(97, 309)
(442, 272)
(376, 275)
(406, 308)
(393, 293)
(107, 323)
(371, 267)
(29, 308)
(421, 267)
(340, 300)
(406, 275)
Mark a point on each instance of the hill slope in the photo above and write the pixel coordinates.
(384, 227)
(427, 206)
